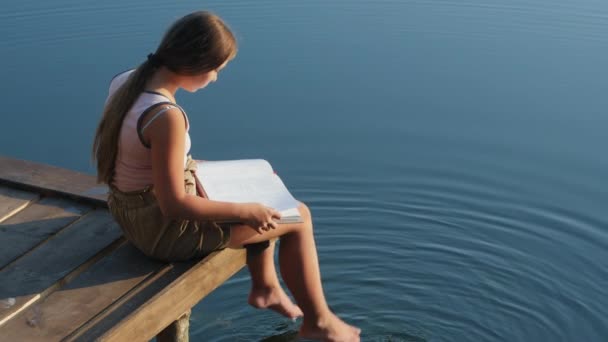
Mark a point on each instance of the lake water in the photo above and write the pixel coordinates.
(453, 153)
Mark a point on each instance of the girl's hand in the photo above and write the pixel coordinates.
(259, 217)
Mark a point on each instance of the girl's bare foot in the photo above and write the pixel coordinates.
(330, 329)
(274, 298)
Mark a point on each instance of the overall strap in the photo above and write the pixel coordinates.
(167, 105)
(154, 117)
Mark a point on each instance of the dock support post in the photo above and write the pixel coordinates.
(176, 331)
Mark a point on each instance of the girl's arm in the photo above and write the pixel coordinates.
(166, 135)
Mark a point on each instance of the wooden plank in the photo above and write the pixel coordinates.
(67, 309)
(127, 303)
(122, 308)
(35, 224)
(53, 264)
(50, 179)
(163, 301)
(181, 295)
(13, 200)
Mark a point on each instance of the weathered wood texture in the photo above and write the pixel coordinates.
(12, 201)
(67, 274)
(46, 268)
(36, 223)
(161, 302)
(47, 179)
(69, 308)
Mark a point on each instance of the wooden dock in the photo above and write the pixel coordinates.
(67, 273)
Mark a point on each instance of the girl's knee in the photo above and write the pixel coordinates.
(305, 212)
(306, 225)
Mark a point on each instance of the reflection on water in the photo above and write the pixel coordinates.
(452, 153)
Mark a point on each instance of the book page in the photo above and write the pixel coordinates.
(244, 181)
(214, 170)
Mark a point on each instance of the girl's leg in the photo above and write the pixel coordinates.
(266, 291)
(300, 269)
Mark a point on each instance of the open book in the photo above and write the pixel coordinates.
(247, 180)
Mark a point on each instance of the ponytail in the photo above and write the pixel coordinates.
(105, 145)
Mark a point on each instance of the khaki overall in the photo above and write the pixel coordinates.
(143, 224)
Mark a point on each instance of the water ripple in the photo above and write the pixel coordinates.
(471, 231)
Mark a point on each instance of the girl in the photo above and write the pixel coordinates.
(142, 152)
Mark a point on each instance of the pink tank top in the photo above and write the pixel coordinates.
(133, 170)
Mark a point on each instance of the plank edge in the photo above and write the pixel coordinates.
(176, 286)
(115, 305)
(24, 175)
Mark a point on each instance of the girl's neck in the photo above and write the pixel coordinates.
(163, 81)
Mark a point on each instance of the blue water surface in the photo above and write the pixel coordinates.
(452, 153)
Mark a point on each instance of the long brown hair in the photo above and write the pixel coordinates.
(197, 43)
